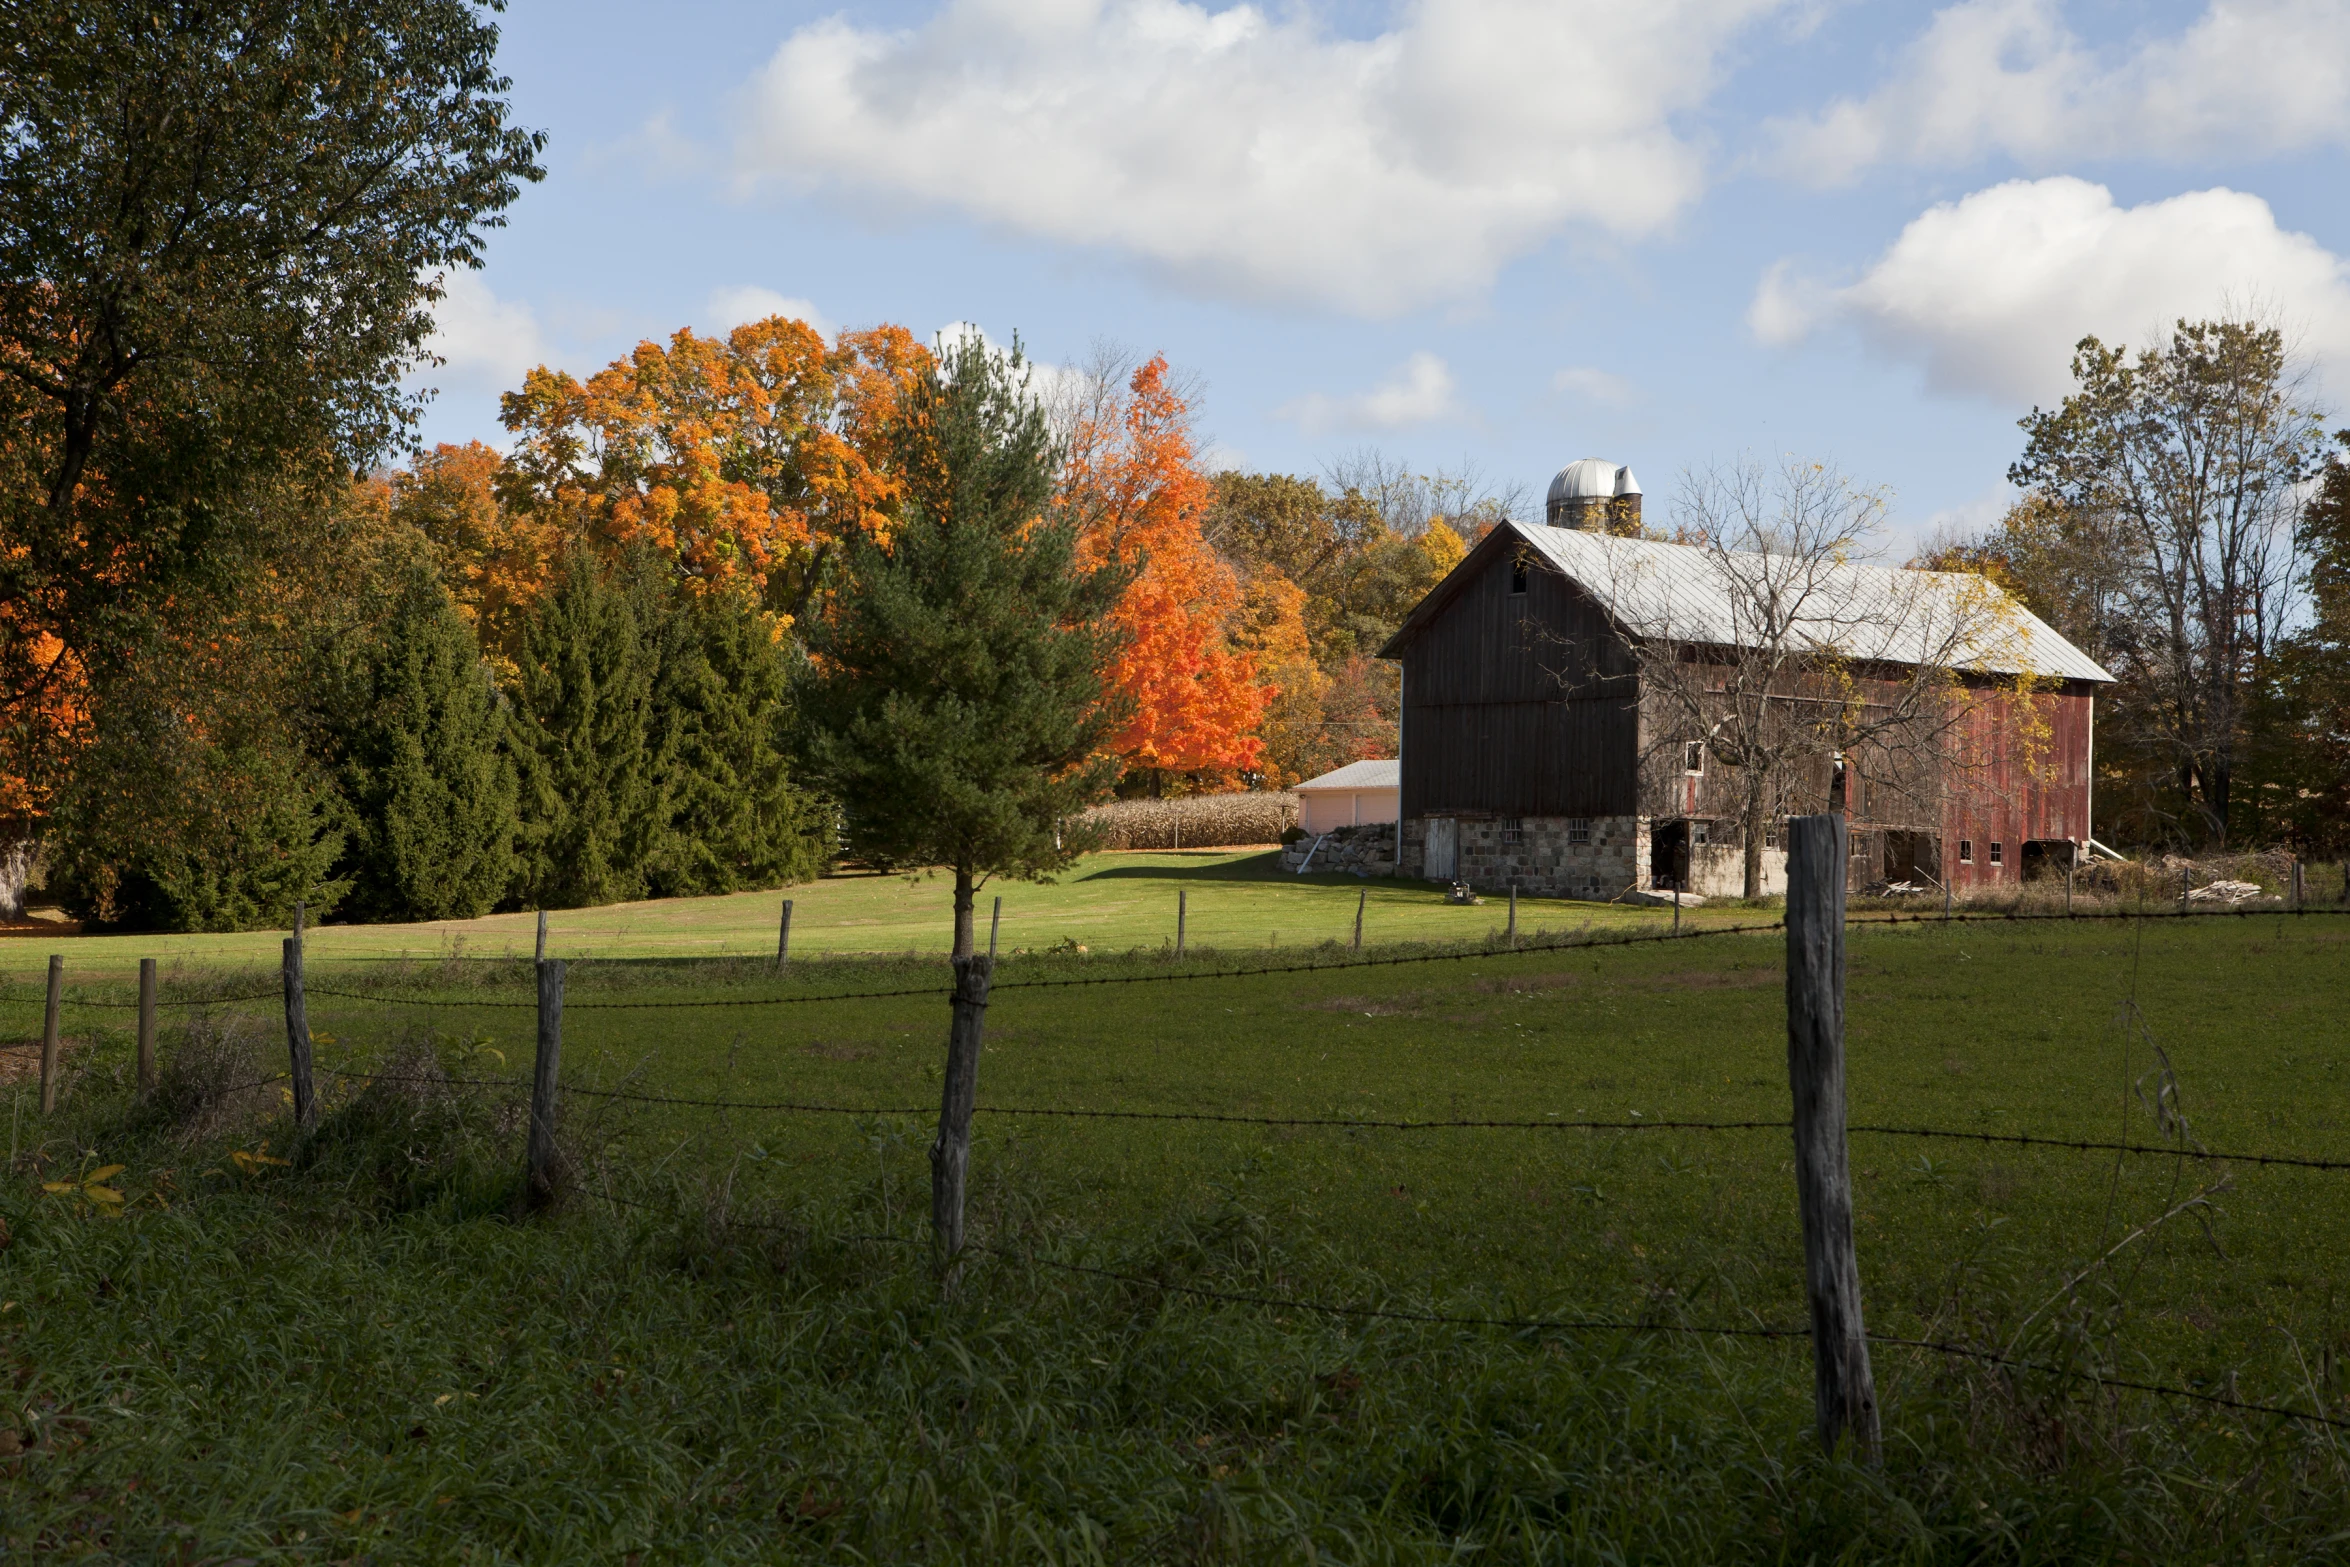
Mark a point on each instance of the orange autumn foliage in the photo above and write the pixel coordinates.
(43, 729)
(743, 459)
(495, 560)
(1135, 485)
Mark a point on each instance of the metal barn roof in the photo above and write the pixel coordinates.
(1872, 613)
(1358, 775)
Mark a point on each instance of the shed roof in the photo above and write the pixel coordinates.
(1872, 613)
(1358, 775)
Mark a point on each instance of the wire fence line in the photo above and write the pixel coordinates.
(1523, 946)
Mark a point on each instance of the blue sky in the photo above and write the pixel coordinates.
(1506, 233)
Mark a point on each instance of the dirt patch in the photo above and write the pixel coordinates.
(1365, 1006)
(1524, 984)
(1708, 979)
(837, 1052)
(20, 1061)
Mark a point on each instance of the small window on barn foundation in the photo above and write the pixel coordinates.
(1775, 834)
(1518, 575)
(1701, 832)
(1578, 829)
(1513, 832)
(1693, 757)
(1995, 848)
(1966, 851)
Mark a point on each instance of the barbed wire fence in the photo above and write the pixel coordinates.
(1816, 923)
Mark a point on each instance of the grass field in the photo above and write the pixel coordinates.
(1108, 902)
(727, 1346)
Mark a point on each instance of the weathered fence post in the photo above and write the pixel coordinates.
(545, 1073)
(1361, 898)
(298, 1036)
(2296, 883)
(950, 1156)
(1676, 905)
(49, 1037)
(1844, 1388)
(1513, 912)
(146, 1027)
(1182, 913)
(539, 953)
(1946, 897)
(2068, 888)
(783, 939)
(2186, 884)
(995, 918)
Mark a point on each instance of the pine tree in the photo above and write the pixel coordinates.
(585, 746)
(739, 820)
(424, 765)
(957, 703)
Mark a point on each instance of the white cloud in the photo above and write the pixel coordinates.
(729, 308)
(2007, 76)
(1991, 292)
(489, 343)
(1420, 391)
(1257, 152)
(1051, 384)
(1594, 385)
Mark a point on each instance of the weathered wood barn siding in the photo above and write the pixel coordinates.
(2019, 794)
(1518, 704)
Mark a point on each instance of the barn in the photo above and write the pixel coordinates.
(1538, 747)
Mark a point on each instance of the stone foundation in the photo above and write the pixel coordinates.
(1541, 857)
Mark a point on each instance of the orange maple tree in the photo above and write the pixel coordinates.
(1134, 481)
(744, 458)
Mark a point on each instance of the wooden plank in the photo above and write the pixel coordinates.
(51, 1039)
(146, 1027)
(298, 1034)
(950, 1155)
(545, 1169)
(1843, 1384)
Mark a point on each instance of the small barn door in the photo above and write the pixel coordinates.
(1443, 858)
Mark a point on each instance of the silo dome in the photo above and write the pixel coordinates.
(1586, 492)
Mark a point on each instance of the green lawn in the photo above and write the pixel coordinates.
(366, 1348)
(1108, 903)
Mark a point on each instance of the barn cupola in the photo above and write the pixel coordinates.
(1595, 495)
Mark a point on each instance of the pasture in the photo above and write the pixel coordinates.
(727, 1344)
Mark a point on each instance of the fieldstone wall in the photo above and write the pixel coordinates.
(1367, 850)
(1541, 856)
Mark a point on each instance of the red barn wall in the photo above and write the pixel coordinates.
(2008, 800)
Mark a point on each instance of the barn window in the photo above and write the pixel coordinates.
(1995, 847)
(1578, 829)
(1701, 832)
(1513, 832)
(1775, 833)
(1966, 851)
(1518, 575)
(1693, 757)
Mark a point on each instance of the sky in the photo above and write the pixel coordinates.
(1493, 234)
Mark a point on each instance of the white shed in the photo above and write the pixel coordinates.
(1357, 792)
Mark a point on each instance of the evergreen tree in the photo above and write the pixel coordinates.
(589, 760)
(957, 701)
(424, 767)
(738, 819)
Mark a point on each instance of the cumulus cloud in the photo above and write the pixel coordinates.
(1419, 391)
(489, 343)
(1257, 152)
(1594, 385)
(2008, 76)
(729, 308)
(1991, 292)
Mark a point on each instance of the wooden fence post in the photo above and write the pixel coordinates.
(1843, 1385)
(950, 1156)
(146, 1027)
(2068, 889)
(1361, 898)
(539, 952)
(546, 1072)
(298, 1036)
(1513, 912)
(2296, 884)
(995, 918)
(1676, 905)
(783, 939)
(1182, 912)
(49, 1036)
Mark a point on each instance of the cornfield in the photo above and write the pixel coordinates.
(1193, 821)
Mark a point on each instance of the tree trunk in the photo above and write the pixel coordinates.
(1756, 820)
(16, 868)
(966, 889)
